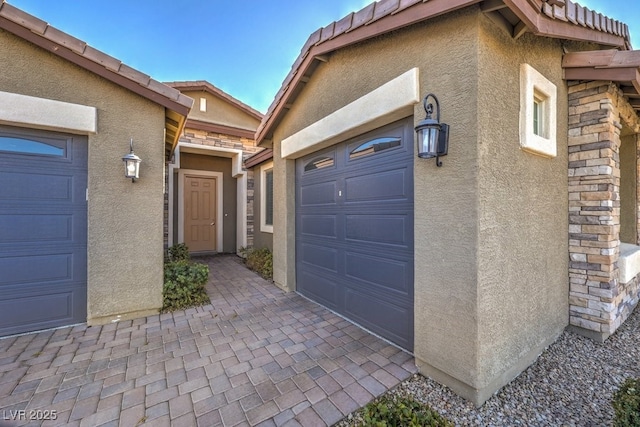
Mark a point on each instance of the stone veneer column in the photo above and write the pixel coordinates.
(594, 208)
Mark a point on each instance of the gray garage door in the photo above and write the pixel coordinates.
(354, 222)
(43, 230)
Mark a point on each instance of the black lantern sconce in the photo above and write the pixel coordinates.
(131, 164)
(433, 136)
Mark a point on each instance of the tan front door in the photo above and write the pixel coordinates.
(200, 213)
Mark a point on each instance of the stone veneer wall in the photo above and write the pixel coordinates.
(598, 302)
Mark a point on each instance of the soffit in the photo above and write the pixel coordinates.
(551, 18)
(256, 159)
(622, 67)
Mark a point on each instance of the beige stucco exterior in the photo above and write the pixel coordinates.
(522, 222)
(124, 219)
(492, 221)
(220, 111)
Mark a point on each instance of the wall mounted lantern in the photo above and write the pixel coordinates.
(433, 136)
(131, 164)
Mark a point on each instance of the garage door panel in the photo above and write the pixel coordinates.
(319, 256)
(33, 228)
(323, 193)
(379, 271)
(41, 187)
(36, 269)
(381, 229)
(319, 225)
(47, 309)
(380, 316)
(387, 185)
(319, 288)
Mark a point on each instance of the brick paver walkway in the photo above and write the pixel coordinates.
(255, 356)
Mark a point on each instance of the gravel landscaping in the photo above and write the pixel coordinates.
(571, 384)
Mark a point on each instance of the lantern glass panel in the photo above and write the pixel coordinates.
(428, 142)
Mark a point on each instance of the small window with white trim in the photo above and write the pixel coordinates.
(538, 113)
(266, 198)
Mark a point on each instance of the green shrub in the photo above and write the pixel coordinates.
(259, 260)
(184, 283)
(626, 404)
(179, 252)
(396, 411)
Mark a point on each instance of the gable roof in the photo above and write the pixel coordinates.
(205, 86)
(551, 18)
(40, 33)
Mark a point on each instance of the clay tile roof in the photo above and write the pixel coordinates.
(567, 10)
(551, 18)
(62, 44)
(203, 85)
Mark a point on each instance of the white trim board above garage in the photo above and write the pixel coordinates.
(388, 103)
(48, 114)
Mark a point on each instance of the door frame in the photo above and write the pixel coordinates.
(182, 173)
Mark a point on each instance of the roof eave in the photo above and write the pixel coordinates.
(41, 34)
(325, 41)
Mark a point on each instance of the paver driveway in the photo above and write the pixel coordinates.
(255, 356)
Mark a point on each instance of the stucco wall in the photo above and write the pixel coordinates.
(522, 222)
(220, 111)
(125, 238)
(229, 187)
(628, 192)
(446, 52)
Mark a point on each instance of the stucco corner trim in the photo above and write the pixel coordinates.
(40, 113)
(389, 102)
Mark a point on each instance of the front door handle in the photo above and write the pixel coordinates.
(213, 223)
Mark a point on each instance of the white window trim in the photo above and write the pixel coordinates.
(534, 85)
(263, 199)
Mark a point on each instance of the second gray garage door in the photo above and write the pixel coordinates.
(354, 230)
(43, 230)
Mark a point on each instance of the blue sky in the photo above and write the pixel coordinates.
(244, 47)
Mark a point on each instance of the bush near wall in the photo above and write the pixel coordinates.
(626, 404)
(402, 411)
(259, 260)
(184, 281)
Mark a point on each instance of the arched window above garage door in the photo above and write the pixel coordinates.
(17, 145)
(320, 162)
(374, 146)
